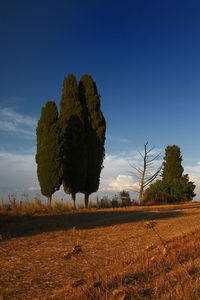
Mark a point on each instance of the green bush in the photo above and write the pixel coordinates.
(174, 191)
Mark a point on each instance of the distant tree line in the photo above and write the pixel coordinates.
(70, 146)
(121, 200)
(174, 186)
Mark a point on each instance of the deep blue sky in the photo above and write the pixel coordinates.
(143, 55)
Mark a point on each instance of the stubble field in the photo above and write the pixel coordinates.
(102, 254)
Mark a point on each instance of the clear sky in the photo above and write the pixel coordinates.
(144, 57)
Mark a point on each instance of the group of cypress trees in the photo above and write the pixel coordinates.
(70, 147)
(174, 187)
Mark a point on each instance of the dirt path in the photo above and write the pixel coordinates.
(32, 265)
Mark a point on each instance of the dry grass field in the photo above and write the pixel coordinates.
(102, 254)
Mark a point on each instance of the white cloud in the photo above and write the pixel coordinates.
(34, 188)
(193, 171)
(13, 122)
(194, 175)
(121, 182)
(117, 139)
(114, 176)
(17, 172)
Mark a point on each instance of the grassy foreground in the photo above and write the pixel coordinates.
(102, 254)
(168, 271)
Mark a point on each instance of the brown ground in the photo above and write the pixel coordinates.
(32, 265)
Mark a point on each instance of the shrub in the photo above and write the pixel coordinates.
(114, 203)
(60, 207)
(173, 191)
(106, 203)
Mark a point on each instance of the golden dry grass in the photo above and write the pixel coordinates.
(112, 262)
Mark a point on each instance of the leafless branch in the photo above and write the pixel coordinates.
(143, 174)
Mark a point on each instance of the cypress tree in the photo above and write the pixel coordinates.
(175, 186)
(49, 156)
(73, 136)
(172, 168)
(95, 127)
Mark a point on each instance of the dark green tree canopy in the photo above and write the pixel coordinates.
(69, 104)
(174, 186)
(175, 191)
(49, 155)
(73, 136)
(95, 127)
(172, 168)
(71, 148)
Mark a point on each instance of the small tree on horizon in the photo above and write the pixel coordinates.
(49, 153)
(175, 186)
(125, 198)
(95, 128)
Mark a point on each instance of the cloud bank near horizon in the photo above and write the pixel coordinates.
(18, 174)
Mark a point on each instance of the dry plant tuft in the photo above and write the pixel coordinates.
(97, 283)
(78, 283)
(153, 259)
(150, 248)
(165, 251)
(67, 255)
(75, 251)
(119, 295)
(150, 224)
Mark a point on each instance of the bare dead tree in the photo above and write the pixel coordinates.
(147, 173)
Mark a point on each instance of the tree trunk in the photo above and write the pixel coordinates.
(86, 201)
(73, 200)
(140, 194)
(142, 181)
(49, 200)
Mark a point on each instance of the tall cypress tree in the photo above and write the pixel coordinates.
(172, 168)
(95, 128)
(174, 187)
(49, 156)
(73, 136)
